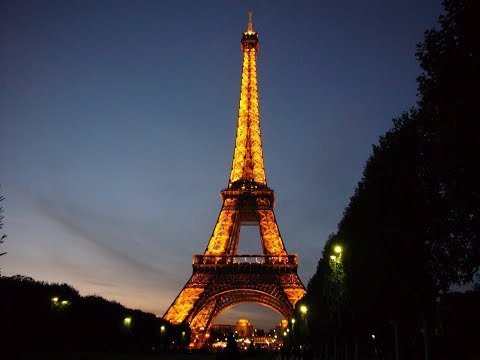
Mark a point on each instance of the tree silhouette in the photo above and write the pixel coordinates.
(449, 90)
(64, 321)
(412, 228)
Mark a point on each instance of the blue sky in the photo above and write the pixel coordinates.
(117, 126)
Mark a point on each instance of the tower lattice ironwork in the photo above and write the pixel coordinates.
(222, 278)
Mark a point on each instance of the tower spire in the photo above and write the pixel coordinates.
(250, 25)
(247, 164)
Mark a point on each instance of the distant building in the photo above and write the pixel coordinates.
(242, 328)
(245, 333)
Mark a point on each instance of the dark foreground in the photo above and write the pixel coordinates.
(139, 356)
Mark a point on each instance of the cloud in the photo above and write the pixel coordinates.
(98, 229)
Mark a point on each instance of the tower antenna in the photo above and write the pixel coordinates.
(250, 25)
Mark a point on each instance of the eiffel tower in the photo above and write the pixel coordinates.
(222, 278)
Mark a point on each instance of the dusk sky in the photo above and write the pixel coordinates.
(118, 119)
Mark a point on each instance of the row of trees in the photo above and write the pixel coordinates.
(412, 229)
(41, 317)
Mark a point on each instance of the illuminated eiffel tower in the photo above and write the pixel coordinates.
(222, 278)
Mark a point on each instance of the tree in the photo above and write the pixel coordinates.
(412, 228)
(382, 231)
(449, 90)
(70, 323)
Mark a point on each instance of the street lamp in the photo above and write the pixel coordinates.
(336, 257)
(127, 321)
(303, 309)
(59, 304)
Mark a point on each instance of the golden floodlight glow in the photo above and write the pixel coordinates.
(303, 309)
(333, 257)
(55, 299)
(338, 249)
(247, 201)
(248, 155)
(127, 321)
(182, 305)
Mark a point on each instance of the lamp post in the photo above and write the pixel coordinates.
(291, 326)
(336, 259)
(163, 329)
(302, 330)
